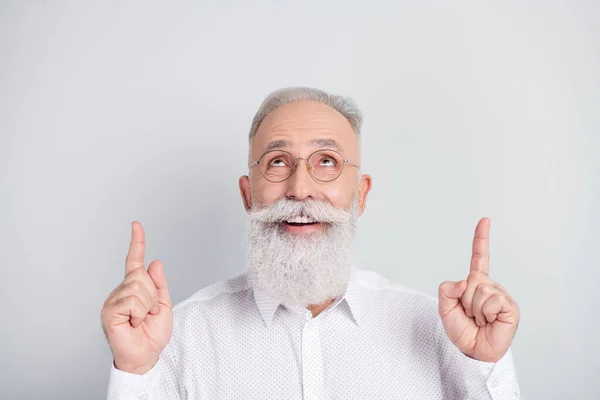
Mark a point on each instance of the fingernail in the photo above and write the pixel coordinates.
(457, 284)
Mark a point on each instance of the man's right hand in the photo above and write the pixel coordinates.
(137, 316)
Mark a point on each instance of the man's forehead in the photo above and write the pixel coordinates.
(285, 144)
(311, 123)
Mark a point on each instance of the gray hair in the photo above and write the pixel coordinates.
(344, 105)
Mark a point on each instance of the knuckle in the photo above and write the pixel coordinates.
(135, 286)
(135, 305)
(467, 305)
(502, 298)
(486, 288)
(486, 308)
(127, 301)
(467, 297)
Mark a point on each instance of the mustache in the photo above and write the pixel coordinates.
(283, 209)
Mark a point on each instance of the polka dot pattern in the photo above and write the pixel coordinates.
(381, 340)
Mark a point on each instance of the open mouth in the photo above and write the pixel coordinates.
(300, 221)
(301, 225)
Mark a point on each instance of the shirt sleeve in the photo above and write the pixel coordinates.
(466, 378)
(502, 382)
(127, 386)
(160, 382)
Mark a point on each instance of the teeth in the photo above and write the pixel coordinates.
(300, 220)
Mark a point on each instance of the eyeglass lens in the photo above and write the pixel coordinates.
(324, 165)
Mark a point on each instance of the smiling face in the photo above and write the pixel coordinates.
(301, 128)
(302, 229)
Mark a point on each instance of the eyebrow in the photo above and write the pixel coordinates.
(278, 144)
(327, 143)
(321, 143)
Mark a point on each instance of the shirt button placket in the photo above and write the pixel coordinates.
(312, 362)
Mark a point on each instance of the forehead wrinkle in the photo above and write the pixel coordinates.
(317, 143)
(293, 124)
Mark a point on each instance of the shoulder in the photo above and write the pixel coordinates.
(393, 293)
(375, 281)
(220, 292)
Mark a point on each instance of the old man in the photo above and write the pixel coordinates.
(303, 322)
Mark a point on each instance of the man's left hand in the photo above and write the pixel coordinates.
(478, 314)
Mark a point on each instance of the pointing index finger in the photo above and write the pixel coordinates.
(480, 260)
(137, 248)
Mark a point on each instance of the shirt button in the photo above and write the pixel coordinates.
(494, 383)
(143, 397)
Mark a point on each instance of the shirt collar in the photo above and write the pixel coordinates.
(353, 297)
(267, 305)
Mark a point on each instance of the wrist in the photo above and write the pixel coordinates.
(138, 369)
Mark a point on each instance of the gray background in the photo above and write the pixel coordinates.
(119, 111)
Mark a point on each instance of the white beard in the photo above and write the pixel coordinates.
(301, 270)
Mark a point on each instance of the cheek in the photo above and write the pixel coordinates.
(339, 195)
(267, 193)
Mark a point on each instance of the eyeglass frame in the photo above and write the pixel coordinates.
(308, 166)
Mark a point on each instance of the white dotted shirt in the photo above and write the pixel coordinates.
(381, 340)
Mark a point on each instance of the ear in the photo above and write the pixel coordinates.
(364, 187)
(246, 192)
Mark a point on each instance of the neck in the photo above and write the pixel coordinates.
(317, 308)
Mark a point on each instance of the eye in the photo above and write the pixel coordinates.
(328, 162)
(278, 162)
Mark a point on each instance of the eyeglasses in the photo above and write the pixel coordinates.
(323, 165)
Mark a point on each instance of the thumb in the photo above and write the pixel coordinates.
(449, 295)
(156, 272)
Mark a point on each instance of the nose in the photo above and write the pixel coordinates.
(300, 185)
